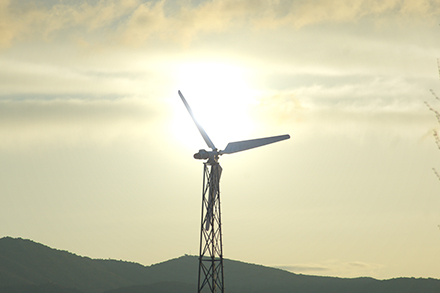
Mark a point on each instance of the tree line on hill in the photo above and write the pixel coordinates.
(30, 267)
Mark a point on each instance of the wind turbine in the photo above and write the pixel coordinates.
(211, 249)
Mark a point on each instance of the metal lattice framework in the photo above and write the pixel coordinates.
(211, 278)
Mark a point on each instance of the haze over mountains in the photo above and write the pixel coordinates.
(27, 266)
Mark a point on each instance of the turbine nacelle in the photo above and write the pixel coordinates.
(211, 156)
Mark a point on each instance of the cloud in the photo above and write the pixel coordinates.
(135, 21)
(358, 264)
(303, 13)
(21, 20)
(40, 71)
(335, 268)
(304, 268)
(367, 96)
(27, 123)
(187, 22)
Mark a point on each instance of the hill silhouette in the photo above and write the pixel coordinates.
(27, 266)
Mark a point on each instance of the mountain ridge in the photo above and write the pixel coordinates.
(39, 268)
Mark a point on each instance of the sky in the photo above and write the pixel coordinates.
(96, 146)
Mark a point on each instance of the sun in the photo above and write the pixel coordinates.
(220, 97)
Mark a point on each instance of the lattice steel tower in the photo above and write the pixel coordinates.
(211, 249)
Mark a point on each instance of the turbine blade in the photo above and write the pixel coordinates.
(199, 127)
(216, 173)
(220, 170)
(243, 145)
(208, 223)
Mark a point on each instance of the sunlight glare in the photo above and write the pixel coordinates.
(220, 97)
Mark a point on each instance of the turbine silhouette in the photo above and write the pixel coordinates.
(211, 249)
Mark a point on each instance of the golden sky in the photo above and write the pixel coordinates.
(96, 146)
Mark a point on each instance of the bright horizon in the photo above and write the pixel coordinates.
(96, 146)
